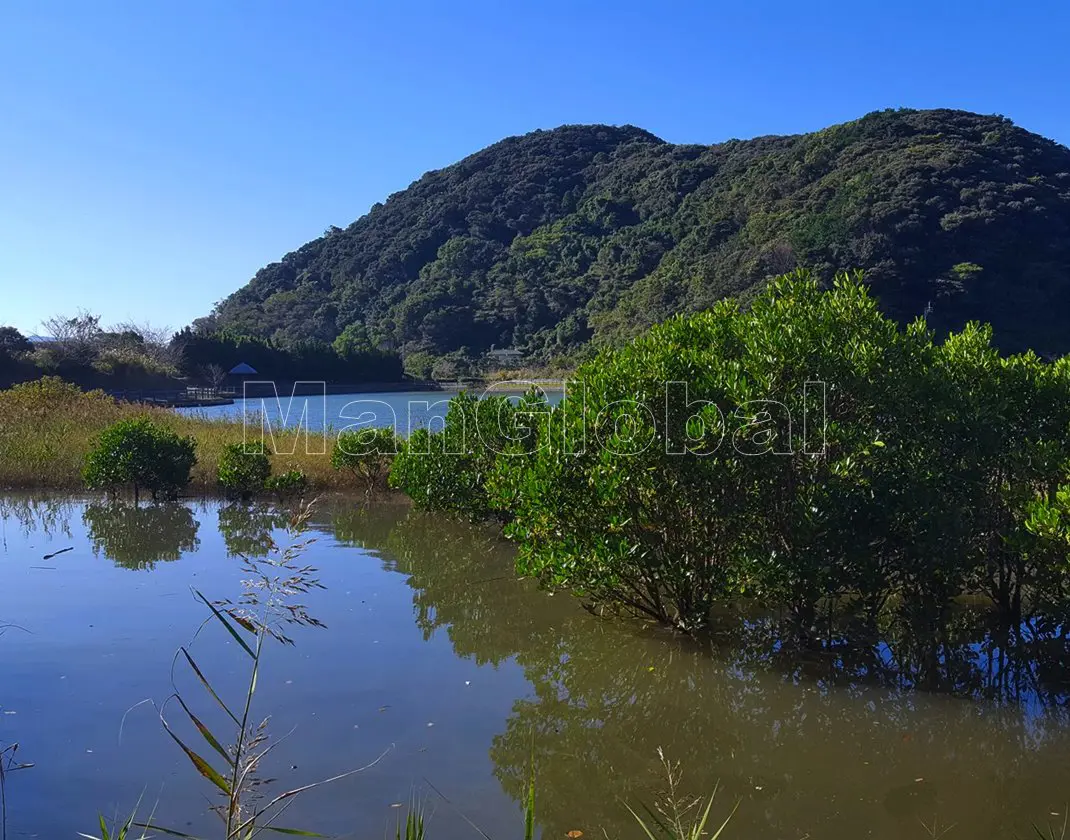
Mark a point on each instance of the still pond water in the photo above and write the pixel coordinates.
(436, 654)
(404, 410)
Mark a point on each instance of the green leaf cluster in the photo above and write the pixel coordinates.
(448, 470)
(288, 484)
(908, 471)
(366, 453)
(136, 454)
(243, 471)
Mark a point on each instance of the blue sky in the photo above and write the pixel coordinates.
(154, 155)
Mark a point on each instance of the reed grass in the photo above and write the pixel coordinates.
(265, 612)
(9, 763)
(1054, 832)
(121, 829)
(676, 816)
(48, 426)
(412, 828)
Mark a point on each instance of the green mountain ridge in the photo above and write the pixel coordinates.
(580, 234)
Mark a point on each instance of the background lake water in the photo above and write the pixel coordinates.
(435, 653)
(405, 410)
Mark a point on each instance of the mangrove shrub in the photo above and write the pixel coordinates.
(243, 471)
(289, 484)
(136, 454)
(448, 470)
(366, 454)
(805, 452)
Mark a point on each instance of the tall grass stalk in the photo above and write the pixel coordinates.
(676, 816)
(934, 831)
(1051, 832)
(414, 823)
(529, 809)
(127, 829)
(266, 610)
(9, 763)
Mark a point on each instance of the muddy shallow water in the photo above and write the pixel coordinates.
(436, 655)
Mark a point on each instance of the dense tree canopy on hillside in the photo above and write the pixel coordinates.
(550, 240)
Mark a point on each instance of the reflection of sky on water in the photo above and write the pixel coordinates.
(428, 625)
(406, 411)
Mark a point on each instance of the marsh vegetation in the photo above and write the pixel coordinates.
(48, 429)
(814, 456)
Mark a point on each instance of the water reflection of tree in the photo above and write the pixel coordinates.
(966, 654)
(366, 526)
(827, 737)
(785, 743)
(137, 537)
(50, 515)
(248, 530)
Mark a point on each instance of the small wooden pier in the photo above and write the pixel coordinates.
(184, 398)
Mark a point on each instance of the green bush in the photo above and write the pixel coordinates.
(288, 484)
(137, 454)
(367, 454)
(448, 470)
(243, 472)
(690, 494)
(909, 472)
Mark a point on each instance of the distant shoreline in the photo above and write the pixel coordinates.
(304, 389)
(268, 388)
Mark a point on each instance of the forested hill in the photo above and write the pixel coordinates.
(547, 241)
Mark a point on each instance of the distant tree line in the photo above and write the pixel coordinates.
(351, 357)
(78, 349)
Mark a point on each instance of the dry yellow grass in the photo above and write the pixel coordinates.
(48, 426)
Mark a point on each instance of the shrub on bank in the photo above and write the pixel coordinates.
(136, 454)
(448, 470)
(366, 455)
(696, 465)
(287, 485)
(243, 472)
